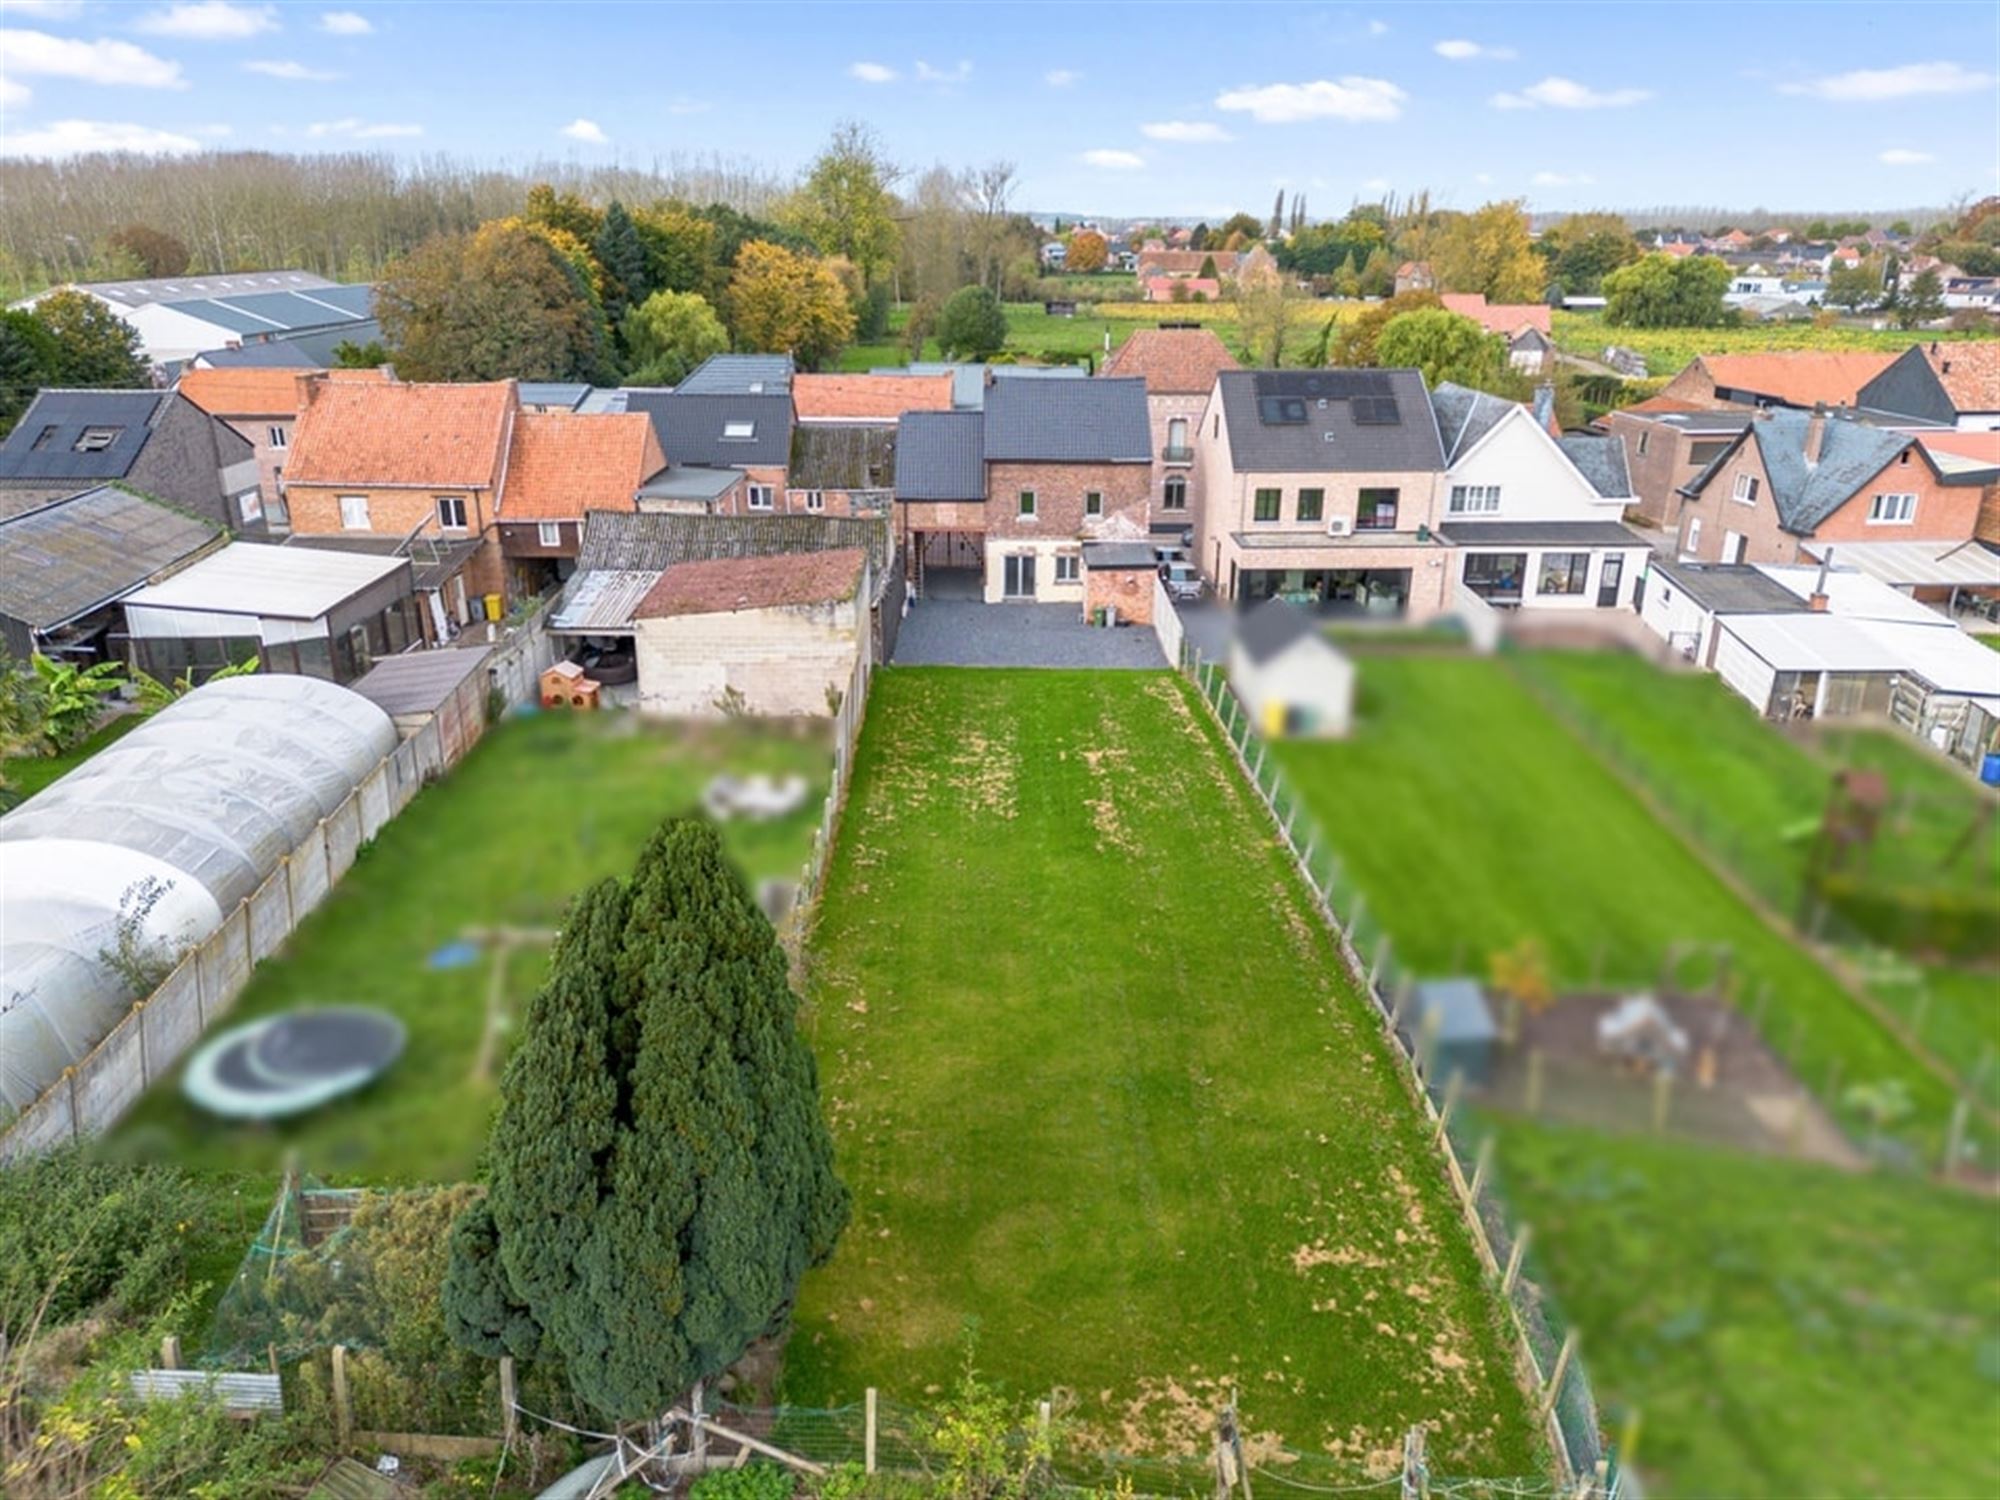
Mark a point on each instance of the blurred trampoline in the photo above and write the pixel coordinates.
(285, 1065)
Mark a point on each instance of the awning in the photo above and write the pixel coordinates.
(601, 602)
(1916, 564)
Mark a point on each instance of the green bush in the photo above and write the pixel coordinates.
(79, 1231)
(1947, 923)
(751, 1482)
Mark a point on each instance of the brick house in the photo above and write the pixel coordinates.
(561, 465)
(842, 469)
(1062, 462)
(1792, 477)
(1322, 486)
(1666, 449)
(1179, 366)
(261, 406)
(1957, 384)
(156, 442)
(748, 433)
(1798, 377)
(422, 463)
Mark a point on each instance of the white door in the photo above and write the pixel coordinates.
(1732, 546)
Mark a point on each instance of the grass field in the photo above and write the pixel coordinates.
(1472, 819)
(1668, 350)
(1103, 1092)
(1783, 1329)
(27, 774)
(1033, 337)
(539, 809)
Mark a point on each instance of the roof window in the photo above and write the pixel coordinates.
(739, 431)
(96, 439)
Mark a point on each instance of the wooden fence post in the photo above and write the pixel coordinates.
(1381, 958)
(1663, 1093)
(170, 1352)
(1416, 1474)
(1452, 1085)
(1401, 998)
(1533, 1102)
(1554, 1388)
(1480, 1164)
(510, 1419)
(700, 1429)
(1513, 1272)
(343, 1416)
(868, 1432)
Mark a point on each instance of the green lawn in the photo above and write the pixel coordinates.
(25, 775)
(1667, 351)
(1471, 819)
(1102, 1090)
(1783, 1329)
(1033, 337)
(541, 807)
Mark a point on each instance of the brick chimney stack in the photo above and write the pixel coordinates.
(307, 383)
(1817, 601)
(1815, 433)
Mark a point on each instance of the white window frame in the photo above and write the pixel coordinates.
(352, 506)
(250, 506)
(1174, 482)
(1692, 546)
(1093, 503)
(279, 437)
(1069, 567)
(1027, 505)
(762, 497)
(548, 533)
(1744, 490)
(815, 501)
(1473, 500)
(458, 508)
(1893, 509)
(739, 432)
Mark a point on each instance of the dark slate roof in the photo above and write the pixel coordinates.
(1119, 556)
(1068, 421)
(1540, 534)
(1729, 588)
(1330, 440)
(298, 351)
(1601, 460)
(843, 456)
(1465, 416)
(66, 559)
(43, 444)
(690, 427)
(1851, 453)
(739, 375)
(1273, 627)
(653, 541)
(941, 455)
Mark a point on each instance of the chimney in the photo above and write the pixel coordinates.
(1815, 434)
(1817, 600)
(306, 386)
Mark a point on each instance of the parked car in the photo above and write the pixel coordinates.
(1183, 580)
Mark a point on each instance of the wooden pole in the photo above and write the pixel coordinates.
(1480, 1163)
(1533, 1102)
(1401, 998)
(1554, 1387)
(343, 1417)
(1513, 1272)
(868, 1432)
(1663, 1096)
(758, 1445)
(700, 1426)
(510, 1419)
(1628, 1438)
(1381, 957)
(1452, 1085)
(170, 1352)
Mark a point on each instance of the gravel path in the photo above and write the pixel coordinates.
(949, 633)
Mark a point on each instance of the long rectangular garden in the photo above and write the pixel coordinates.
(1110, 1107)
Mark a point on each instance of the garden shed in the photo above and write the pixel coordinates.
(1450, 1022)
(1293, 679)
(199, 805)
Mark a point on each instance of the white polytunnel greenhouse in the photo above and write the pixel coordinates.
(204, 800)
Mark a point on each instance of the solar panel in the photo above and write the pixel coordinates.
(1281, 411)
(1376, 411)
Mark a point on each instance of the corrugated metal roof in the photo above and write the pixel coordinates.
(739, 375)
(1916, 564)
(419, 682)
(295, 351)
(237, 1391)
(145, 291)
(280, 583)
(601, 601)
(67, 559)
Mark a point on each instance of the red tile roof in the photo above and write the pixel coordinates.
(394, 433)
(1173, 361)
(1980, 445)
(1161, 288)
(251, 391)
(1498, 317)
(865, 397)
(1188, 262)
(565, 463)
(1798, 377)
(1969, 373)
(726, 584)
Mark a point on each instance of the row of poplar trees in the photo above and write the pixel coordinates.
(660, 1173)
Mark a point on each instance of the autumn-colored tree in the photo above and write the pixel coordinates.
(1088, 251)
(93, 345)
(496, 303)
(565, 211)
(1245, 225)
(845, 206)
(1522, 974)
(1444, 346)
(781, 301)
(157, 252)
(679, 246)
(1264, 302)
(1489, 251)
(1354, 345)
(1660, 291)
(668, 334)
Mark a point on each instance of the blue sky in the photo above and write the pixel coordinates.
(1109, 108)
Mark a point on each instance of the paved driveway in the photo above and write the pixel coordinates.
(955, 633)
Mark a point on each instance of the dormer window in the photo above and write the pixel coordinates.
(96, 439)
(739, 432)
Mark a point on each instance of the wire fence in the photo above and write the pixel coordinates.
(1548, 1344)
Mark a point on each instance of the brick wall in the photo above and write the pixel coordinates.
(782, 661)
(1128, 590)
(1059, 497)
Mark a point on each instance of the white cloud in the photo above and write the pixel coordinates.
(1375, 185)
(1902, 156)
(46, 10)
(1114, 161)
(1378, 28)
(13, 95)
(73, 137)
(1562, 179)
(1566, 93)
(928, 74)
(37, 53)
(1185, 131)
(870, 72)
(360, 130)
(296, 72)
(211, 21)
(1460, 50)
(1351, 98)
(1872, 85)
(1061, 78)
(587, 131)
(346, 23)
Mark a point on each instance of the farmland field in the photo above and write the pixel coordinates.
(539, 808)
(1668, 350)
(1782, 1328)
(1105, 1097)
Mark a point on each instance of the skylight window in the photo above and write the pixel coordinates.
(1281, 411)
(739, 431)
(97, 439)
